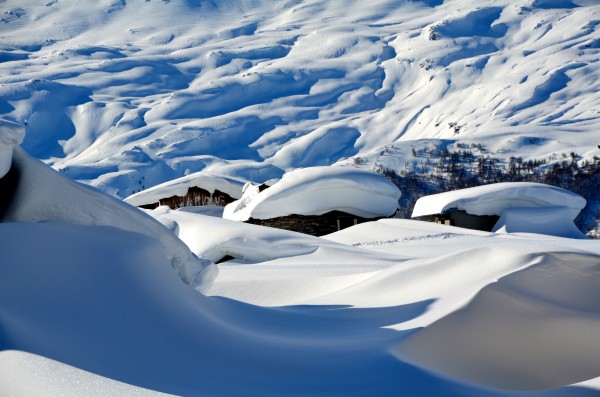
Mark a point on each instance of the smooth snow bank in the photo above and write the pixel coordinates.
(102, 300)
(25, 374)
(179, 187)
(493, 199)
(316, 191)
(11, 135)
(105, 300)
(213, 238)
(42, 194)
(535, 329)
(553, 221)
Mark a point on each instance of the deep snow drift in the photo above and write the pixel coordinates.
(317, 191)
(535, 329)
(43, 195)
(345, 322)
(125, 95)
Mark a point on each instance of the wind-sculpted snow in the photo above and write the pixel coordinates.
(472, 342)
(256, 88)
(42, 195)
(11, 135)
(337, 320)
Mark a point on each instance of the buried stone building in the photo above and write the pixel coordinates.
(505, 208)
(317, 200)
(198, 189)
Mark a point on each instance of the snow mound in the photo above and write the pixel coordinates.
(494, 199)
(26, 374)
(534, 329)
(250, 243)
(554, 221)
(179, 187)
(42, 195)
(11, 135)
(316, 191)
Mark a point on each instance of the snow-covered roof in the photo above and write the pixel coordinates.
(179, 187)
(316, 191)
(495, 198)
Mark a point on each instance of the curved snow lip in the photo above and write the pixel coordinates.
(534, 329)
(11, 135)
(494, 199)
(316, 191)
(42, 194)
(553, 221)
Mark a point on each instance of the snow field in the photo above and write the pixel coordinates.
(118, 98)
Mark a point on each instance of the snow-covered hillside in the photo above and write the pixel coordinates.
(127, 94)
(100, 298)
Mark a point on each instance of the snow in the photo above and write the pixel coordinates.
(495, 198)
(113, 95)
(317, 191)
(535, 329)
(179, 187)
(11, 135)
(554, 221)
(332, 317)
(43, 195)
(27, 374)
(124, 94)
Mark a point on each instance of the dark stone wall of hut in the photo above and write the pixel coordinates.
(195, 196)
(316, 225)
(463, 219)
(476, 222)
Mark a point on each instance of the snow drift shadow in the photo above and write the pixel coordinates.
(535, 329)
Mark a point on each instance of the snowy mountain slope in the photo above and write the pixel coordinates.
(128, 94)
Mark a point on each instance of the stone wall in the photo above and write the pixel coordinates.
(463, 219)
(316, 225)
(195, 196)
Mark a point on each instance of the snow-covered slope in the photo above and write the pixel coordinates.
(88, 290)
(42, 195)
(124, 94)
